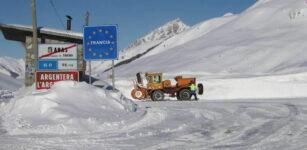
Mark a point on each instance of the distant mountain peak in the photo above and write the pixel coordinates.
(166, 31)
(12, 67)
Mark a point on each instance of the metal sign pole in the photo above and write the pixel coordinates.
(34, 43)
(113, 75)
(89, 62)
(90, 72)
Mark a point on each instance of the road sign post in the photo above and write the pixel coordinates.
(100, 43)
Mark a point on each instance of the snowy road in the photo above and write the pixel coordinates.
(240, 124)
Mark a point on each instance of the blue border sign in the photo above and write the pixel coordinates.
(100, 42)
(47, 65)
(56, 64)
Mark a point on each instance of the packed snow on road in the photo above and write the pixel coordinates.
(75, 115)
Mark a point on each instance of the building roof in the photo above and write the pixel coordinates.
(19, 32)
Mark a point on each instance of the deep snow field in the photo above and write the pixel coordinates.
(95, 119)
(229, 115)
(253, 67)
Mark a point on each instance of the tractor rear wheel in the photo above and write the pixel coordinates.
(177, 96)
(200, 89)
(184, 94)
(138, 94)
(157, 95)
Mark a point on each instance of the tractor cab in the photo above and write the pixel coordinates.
(154, 80)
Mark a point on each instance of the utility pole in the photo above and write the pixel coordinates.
(33, 52)
(87, 17)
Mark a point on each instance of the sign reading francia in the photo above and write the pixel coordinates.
(100, 42)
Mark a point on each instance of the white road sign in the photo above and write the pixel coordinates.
(67, 65)
(57, 51)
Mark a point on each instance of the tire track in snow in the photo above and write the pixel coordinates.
(260, 133)
(2, 130)
(151, 117)
(210, 131)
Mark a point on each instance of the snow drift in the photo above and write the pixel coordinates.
(68, 107)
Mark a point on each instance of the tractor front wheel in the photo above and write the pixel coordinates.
(157, 95)
(138, 94)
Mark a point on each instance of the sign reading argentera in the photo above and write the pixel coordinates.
(45, 79)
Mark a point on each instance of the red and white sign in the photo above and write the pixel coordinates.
(45, 79)
(57, 51)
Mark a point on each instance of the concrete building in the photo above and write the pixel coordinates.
(23, 34)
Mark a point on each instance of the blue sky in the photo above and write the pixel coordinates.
(135, 18)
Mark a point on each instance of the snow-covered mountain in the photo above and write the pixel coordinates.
(12, 67)
(269, 37)
(166, 31)
(11, 73)
(144, 45)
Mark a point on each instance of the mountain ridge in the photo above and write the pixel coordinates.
(144, 44)
(267, 38)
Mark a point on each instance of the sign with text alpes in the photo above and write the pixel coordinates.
(100, 43)
(45, 79)
(57, 57)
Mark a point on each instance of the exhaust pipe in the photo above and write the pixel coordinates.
(68, 26)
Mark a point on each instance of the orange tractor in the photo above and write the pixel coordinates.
(156, 88)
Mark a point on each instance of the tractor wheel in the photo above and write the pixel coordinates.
(138, 94)
(177, 96)
(184, 94)
(157, 95)
(200, 89)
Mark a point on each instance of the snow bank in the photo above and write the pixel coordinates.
(262, 87)
(68, 107)
(227, 86)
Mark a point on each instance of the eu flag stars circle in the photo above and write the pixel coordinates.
(100, 42)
